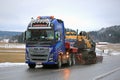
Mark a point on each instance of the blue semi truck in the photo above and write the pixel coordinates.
(45, 43)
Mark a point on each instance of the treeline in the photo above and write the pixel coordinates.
(19, 38)
(10, 36)
(110, 34)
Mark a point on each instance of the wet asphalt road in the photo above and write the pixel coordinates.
(109, 69)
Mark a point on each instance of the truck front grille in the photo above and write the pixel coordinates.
(39, 54)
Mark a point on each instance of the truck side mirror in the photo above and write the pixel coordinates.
(57, 36)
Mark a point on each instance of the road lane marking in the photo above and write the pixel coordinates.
(106, 74)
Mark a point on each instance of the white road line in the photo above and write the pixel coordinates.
(106, 74)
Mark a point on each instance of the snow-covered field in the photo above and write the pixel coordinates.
(108, 50)
(12, 45)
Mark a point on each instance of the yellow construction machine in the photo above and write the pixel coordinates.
(86, 46)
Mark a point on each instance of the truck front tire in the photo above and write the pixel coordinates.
(32, 65)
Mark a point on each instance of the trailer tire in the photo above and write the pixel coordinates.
(91, 58)
(69, 61)
(31, 66)
(73, 59)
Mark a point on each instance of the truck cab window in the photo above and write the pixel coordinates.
(50, 35)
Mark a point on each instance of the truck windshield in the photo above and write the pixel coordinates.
(40, 35)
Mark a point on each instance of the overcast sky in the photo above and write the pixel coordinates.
(85, 15)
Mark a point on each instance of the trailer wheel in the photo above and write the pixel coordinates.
(31, 65)
(69, 61)
(94, 60)
(59, 62)
(91, 59)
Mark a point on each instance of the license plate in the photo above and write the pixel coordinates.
(39, 62)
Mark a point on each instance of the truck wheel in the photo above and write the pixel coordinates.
(31, 65)
(73, 60)
(45, 66)
(59, 63)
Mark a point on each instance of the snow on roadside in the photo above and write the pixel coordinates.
(8, 64)
(10, 45)
(115, 53)
(100, 52)
(106, 52)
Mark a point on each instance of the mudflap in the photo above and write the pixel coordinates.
(99, 59)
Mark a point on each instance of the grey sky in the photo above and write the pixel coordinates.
(84, 15)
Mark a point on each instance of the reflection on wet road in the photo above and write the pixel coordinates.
(66, 74)
(77, 72)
